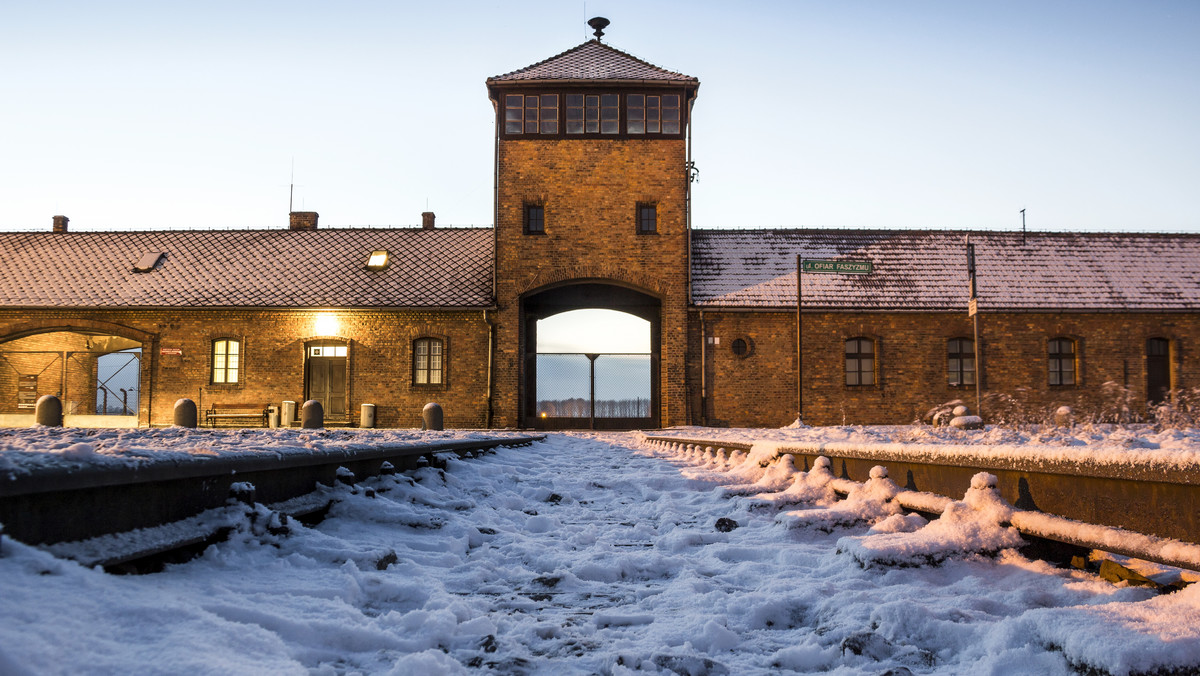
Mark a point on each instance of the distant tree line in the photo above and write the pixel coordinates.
(578, 407)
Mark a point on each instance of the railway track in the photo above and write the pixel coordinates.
(1134, 509)
(115, 516)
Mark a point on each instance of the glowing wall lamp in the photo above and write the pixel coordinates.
(326, 325)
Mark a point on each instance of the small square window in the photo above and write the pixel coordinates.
(535, 219)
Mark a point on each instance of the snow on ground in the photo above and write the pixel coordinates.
(1100, 444)
(23, 450)
(588, 554)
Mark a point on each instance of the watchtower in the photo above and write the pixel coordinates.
(591, 211)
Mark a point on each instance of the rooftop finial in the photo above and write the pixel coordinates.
(599, 23)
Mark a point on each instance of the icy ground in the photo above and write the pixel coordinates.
(588, 554)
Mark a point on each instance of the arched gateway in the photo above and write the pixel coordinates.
(590, 389)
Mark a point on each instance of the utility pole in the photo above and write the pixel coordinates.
(799, 348)
(973, 312)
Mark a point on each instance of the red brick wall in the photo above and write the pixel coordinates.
(760, 389)
(273, 349)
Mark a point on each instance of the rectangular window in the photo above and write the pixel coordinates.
(225, 361)
(535, 219)
(549, 113)
(635, 113)
(327, 351)
(960, 361)
(644, 114)
(531, 114)
(574, 113)
(860, 361)
(427, 361)
(514, 107)
(670, 114)
(1062, 361)
(647, 218)
(610, 114)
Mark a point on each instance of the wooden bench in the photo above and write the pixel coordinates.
(242, 415)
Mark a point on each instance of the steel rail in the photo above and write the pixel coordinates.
(1136, 509)
(82, 501)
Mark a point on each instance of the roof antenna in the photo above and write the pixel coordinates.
(1022, 227)
(292, 186)
(599, 23)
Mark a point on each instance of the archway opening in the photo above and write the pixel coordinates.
(591, 358)
(98, 377)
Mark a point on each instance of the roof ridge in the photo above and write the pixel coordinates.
(598, 44)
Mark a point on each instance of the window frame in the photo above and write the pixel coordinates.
(239, 356)
(857, 357)
(965, 352)
(594, 112)
(641, 209)
(528, 210)
(1055, 357)
(432, 341)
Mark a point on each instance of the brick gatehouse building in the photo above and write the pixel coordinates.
(593, 176)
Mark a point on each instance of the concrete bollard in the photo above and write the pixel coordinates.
(431, 417)
(48, 411)
(185, 413)
(288, 415)
(366, 417)
(312, 415)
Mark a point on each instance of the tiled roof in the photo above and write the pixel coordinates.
(593, 60)
(443, 267)
(927, 270)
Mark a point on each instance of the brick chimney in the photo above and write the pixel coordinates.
(60, 223)
(302, 220)
(427, 220)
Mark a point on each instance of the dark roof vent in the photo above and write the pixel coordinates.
(599, 23)
(302, 220)
(427, 220)
(60, 223)
(148, 261)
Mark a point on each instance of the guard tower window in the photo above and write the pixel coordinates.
(670, 114)
(535, 114)
(427, 361)
(535, 219)
(1062, 355)
(647, 218)
(226, 360)
(610, 114)
(648, 114)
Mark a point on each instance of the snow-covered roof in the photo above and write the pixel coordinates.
(927, 270)
(593, 60)
(442, 267)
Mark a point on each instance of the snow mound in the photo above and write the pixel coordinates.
(973, 526)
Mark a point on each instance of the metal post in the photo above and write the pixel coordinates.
(974, 312)
(592, 394)
(799, 346)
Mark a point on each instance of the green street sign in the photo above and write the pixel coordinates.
(838, 267)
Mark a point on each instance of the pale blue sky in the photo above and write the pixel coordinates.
(134, 115)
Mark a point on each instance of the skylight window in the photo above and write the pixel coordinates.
(148, 260)
(378, 260)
